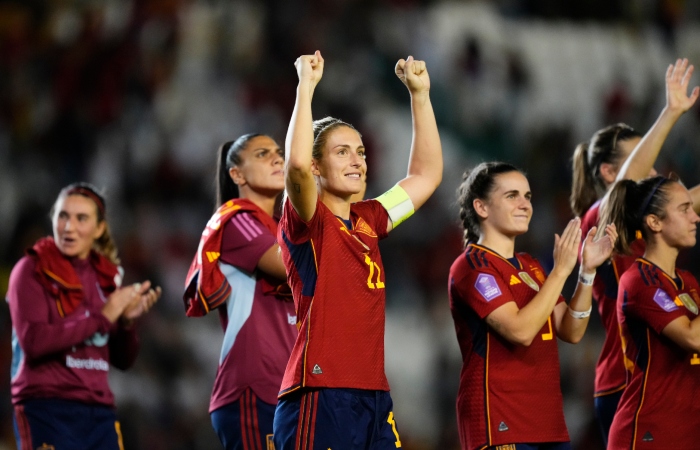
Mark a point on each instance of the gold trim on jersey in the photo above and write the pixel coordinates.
(491, 252)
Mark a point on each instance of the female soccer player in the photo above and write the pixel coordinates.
(507, 315)
(71, 319)
(335, 393)
(657, 308)
(238, 270)
(597, 164)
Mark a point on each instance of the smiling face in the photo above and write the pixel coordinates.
(342, 167)
(678, 229)
(508, 208)
(261, 168)
(76, 226)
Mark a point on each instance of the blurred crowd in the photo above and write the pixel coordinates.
(136, 96)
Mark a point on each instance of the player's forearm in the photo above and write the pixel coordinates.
(425, 163)
(42, 339)
(569, 328)
(644, 155)
(300, 137)
(695, 196)
(426, 150)
(535, 314)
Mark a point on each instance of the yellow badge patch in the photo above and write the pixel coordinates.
(689, 303)
(529, 281)
(514, 280)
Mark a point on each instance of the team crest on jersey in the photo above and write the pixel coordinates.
(363, 227)
(695, 296)
(538, 273)
(529, 281)
(689, 303)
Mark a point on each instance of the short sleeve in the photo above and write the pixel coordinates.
(244, 241)
(294, 227)
(650, 303)
(483, 290)
(374, 214)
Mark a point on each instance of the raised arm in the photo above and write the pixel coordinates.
(425, 160)
(643, 157)
(695, 195)
(299, 181)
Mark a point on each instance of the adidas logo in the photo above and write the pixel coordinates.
(317, 370)
(514, 280)
(213, 256)
(647, 437)
(503, 427)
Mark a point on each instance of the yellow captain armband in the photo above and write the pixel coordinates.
(397, 203)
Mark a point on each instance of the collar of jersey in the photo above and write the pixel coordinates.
(670, 278)
(346, 225)
(493, 252)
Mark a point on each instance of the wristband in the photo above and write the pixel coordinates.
(585, 279)
(580, 314)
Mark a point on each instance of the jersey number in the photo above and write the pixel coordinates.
(378, 284)
(550, 335)
(392, 422)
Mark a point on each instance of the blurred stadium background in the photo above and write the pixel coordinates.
(135, 96)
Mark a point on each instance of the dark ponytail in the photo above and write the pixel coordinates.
(584, 186)
(477, 184)
(629, 202)
(229, 155)
(587, 185)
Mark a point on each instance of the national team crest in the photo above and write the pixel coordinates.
(529, 281)
(689, 303)
(363, 227)
(538, 274)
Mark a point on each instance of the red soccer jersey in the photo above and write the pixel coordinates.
(337, 278)
(508, 393)
(610, 375)
(660, 408)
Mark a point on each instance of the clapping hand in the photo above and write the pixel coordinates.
(596, 251)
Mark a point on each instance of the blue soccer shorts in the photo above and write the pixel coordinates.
(245, 424)
(336, 419)
(605, 408)
(54, 424)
